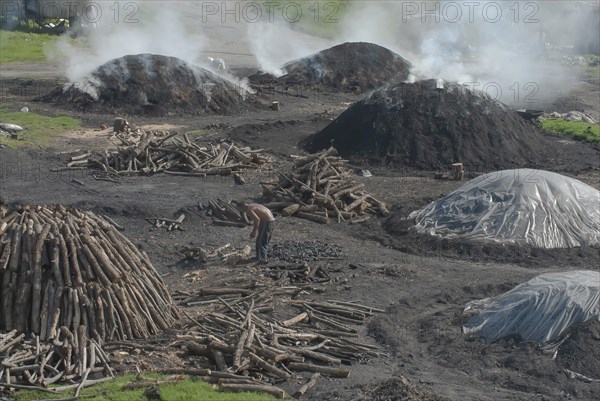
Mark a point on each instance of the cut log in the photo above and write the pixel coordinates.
(259, 388)
(268, 367)
(302, 390)
(313, 217)
(290, 210)
(295, 320)
(333, 372)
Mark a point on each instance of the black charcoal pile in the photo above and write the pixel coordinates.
(353, 66)
(152, 85)
(302, 251)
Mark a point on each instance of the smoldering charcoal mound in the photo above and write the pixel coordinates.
(425, 127)
(149, 84)
(354, 66)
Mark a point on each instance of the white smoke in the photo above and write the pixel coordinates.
(507, 56)
(267, 54)
(500, 47)
(150, 27)
(276, 43)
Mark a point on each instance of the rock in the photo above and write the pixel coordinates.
(10, 127)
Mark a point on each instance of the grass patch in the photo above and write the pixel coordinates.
(577, 129)
(186, 390)
(37, 129)
(591, 73)
(319, 18)
(22, 46)
(196, 132)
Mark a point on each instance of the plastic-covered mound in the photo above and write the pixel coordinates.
(540, 310)
(526, 207)
(152, 85)
(355, 66)
(426, 127)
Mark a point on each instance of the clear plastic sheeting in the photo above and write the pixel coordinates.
(524, 206)
(539, 310)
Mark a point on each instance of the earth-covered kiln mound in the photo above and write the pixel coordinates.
(153, 85)
(61, 267)
(526, 207)
(355, 66)
(423, 126)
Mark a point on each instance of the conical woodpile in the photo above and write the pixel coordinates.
(61, 267)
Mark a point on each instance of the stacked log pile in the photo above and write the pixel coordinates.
(319, 187)
(71, 356)
(61, 267)
(225, 214)
(155, 153)
(252, 351)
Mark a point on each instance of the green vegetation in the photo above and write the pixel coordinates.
(21, 46)
(320, 18)
(196, 132)
(577, 129)
(186, 390)
(592, 73)
(37, 129)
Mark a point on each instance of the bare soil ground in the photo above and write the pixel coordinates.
(421, 283)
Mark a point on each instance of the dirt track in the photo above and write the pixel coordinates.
(422, 285)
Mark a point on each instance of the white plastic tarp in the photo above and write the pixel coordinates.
(539, 310)
(524, 206)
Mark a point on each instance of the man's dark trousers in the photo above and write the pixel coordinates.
(265, 229)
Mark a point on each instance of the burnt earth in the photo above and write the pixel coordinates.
(302, 251)
(581, 350)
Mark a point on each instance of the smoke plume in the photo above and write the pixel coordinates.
(124, 28)
(511, 50)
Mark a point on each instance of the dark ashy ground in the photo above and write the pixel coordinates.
(579, 352)
(421, 283)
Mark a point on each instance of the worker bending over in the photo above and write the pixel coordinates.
(263, 221)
